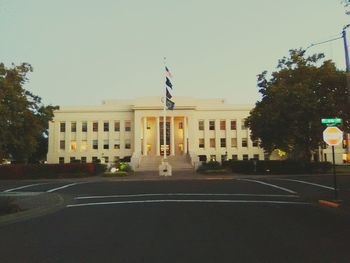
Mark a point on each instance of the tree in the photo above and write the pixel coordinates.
(295, 98)
(23, 117)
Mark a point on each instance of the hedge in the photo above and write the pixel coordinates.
(277, 167)
(32, 171)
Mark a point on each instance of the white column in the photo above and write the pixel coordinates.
(185, 134)
(137, 134)
(144, 136)
(172, 136)
(157, 137)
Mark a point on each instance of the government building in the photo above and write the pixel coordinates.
(132, 130)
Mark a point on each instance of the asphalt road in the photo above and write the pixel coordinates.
(235, 220)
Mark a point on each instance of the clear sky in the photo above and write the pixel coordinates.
(84, 51)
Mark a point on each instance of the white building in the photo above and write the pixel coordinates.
(198, 129)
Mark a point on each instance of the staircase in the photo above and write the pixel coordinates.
(178, 163)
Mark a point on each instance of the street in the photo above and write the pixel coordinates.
(256, 219)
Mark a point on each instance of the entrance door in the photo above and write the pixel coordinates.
(167, 136)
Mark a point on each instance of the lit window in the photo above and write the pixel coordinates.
(105, 144)
(128, 126)
(233, 125)
(212, 125)
(95, 144)
(116, 126)
(63, 127)
(73, 127)
(95, 126)
(83, 145)
(201, 125)
(73, 146)
(212, 142)
(222, 125)
(84, 126)
(233, 142)
(222, 142)
(201, 143)
(106, 126)
(62, 145)
(244, 142)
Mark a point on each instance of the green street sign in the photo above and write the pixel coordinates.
(332, 121)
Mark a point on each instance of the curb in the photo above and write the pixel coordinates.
(35, 206)
(329, 203)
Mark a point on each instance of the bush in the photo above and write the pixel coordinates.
(210, 167)
(32, 171)
(117, 174)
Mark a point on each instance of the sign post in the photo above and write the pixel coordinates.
(333, 136)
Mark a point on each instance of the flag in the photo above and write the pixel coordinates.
(168, 83)
(168, 95)
(170, 104)
(168, 72)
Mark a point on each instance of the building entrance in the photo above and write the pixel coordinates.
(167, 136)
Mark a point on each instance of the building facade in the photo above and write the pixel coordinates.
(132, 130)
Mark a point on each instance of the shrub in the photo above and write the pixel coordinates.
(210, 166)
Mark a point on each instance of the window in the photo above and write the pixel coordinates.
(106, 159)
(127, 144)
(222, 142)
(63, 127)
(62, 145)
(106, 126)
(222, 125)
(95, 144)
(94, 159)
(84, 126)
(256, 156)
(117, 144)
(128, 126)
(83, 146)
(244, 142)
(73, 146)
(234, 157)
(243, 127)
(212, 125)
(223, 158)
(73, 127)
(72, 159)
(105, 144)
(180, 126)
(213, 158)
(202, 158)
(212, 142)
(201, 125)
(233, 125)
(95, 126)
(83, 159)
(245, 157)
(255, 143)
(116, 126)
(233, 142)
(61, 160)
(201, 143)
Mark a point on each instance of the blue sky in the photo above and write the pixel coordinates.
(84, 51)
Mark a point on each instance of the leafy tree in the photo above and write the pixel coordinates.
(295, 98)
(23, 117)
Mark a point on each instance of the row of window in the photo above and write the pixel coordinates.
(212, 142)
(84, 146)
(234, 157)
(95, 128)
(94, 159)
(233, 125)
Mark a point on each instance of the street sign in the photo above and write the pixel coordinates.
(332, 121)
(332, 136)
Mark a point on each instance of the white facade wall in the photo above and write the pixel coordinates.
(144, 115)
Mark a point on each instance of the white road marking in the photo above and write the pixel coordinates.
(304, 182)
(190, 201)
(272, 185)
(22, 187)
(62, 187)
(178, 194)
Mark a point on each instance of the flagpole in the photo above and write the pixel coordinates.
(164, 121)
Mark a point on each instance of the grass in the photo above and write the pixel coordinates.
(116, 174)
